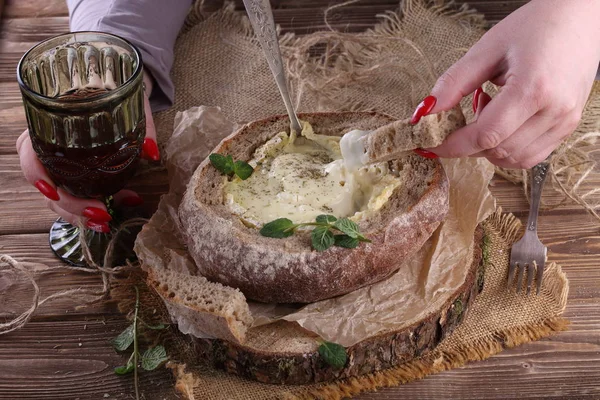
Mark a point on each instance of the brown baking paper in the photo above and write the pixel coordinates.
(422, 284)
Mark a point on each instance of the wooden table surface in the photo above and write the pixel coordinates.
(63, 353)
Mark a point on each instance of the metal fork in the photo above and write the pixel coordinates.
(529, 249)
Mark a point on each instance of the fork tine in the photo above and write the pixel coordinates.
(540, 273)
(511, 271)
(520, 277)
(530, 272)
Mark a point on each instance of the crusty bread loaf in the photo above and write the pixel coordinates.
(288, 270)
(216, 310)
(392, 140)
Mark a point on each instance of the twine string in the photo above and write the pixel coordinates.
(86, 295)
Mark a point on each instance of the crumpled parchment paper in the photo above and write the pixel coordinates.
(421, 286)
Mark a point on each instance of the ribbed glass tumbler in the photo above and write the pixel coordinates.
(83, 99)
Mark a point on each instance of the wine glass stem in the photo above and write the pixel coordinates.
(109, 203)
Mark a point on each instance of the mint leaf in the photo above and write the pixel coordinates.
(333, 354)
(125, 369)
(242, 169)
(326, 219)
(279, 228)
(322, 238)
(348, 227)
(361, 238)
(346, 241)
(154, 357)
(124, 340)
(223, 164)
(157, 327)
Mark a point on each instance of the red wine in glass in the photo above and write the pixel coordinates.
(83, 98)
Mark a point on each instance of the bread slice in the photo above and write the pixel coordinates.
(392, 140)
(215, 310)
(288, 270)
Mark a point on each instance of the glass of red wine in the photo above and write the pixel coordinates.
(83, 99)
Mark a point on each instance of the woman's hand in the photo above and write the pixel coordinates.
(92, 213)
(545, 57)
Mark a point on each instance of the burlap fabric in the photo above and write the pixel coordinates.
(388, 69)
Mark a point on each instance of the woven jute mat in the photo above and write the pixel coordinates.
(389, 69)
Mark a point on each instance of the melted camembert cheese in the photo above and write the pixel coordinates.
(301, 177)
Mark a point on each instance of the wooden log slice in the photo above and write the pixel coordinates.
(285, 353)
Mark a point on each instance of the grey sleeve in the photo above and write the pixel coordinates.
(151, 25)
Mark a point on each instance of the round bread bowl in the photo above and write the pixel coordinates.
(288, 270)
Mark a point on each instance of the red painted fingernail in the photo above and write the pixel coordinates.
(426, 153)
(97, 214)
(47, 190)
(132, 201)
(423, 109)
(97, 226)
(476, 95)
(150, 150)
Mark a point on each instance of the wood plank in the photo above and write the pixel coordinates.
(32, 29)
(24, 30)
(22, 209)
(544, 369)
(72, 359)
(34, 248)
(11, 102)
(494, 10)
(12, 116)
(35, 8)
(19, 35)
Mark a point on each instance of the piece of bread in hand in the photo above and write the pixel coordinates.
(288, 270)
(392, 140)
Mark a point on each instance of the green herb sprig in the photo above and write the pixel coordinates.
(333, 354)
(152, 357)
(227, 166)
(322, 235)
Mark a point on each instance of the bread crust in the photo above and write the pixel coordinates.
(288, 270)
(390, 141)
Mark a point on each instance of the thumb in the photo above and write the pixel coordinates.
(480, 64)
